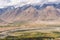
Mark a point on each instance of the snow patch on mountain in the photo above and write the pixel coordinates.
(18, 3)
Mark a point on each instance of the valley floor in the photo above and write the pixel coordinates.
(34, 29)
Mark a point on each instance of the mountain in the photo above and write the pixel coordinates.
(3, 10)
(2, 22)
(47, 12)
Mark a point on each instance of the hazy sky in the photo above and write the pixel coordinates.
(4, 3)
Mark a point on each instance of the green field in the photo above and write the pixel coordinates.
(32, 36)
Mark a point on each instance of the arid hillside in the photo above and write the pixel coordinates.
(29, 13)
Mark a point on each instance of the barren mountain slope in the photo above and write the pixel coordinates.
(30, 13)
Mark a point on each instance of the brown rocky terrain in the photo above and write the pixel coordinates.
(31, 14)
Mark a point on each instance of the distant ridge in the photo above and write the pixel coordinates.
(47, 12)
(37, 6)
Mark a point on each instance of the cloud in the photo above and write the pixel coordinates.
(52, 0)
(4, 3)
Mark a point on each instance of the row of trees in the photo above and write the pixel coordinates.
(33, 38)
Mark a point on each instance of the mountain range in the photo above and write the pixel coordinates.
(47, 12)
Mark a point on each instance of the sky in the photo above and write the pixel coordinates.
(5, 3)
